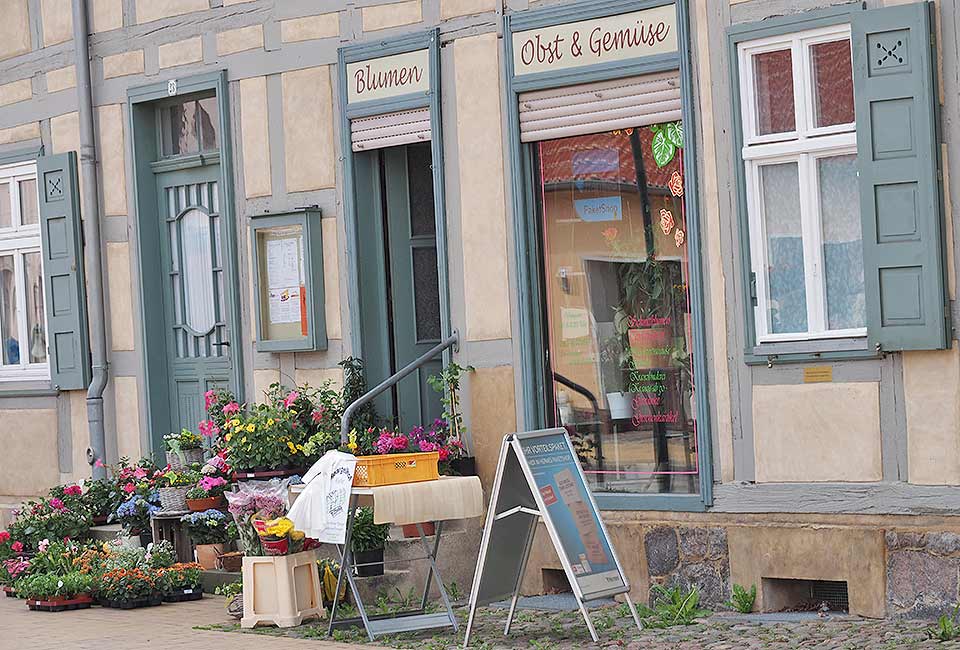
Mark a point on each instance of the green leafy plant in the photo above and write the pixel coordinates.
(207, 527)
(947, 628)
(160, 555)
(51, 586)
(101, 497)
(183, 441)
(354, 386)
(672, 607)
(178, 478)
(230, 590)
(368, 536)
(447, 383)
(179, 577)
(741, 599)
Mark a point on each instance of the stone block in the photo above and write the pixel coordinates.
(240, 40)
(14, 29)
(57, 21)
(454, 8)
(920, 584)
(310, 28)
(931, 386)
(384, 16)
(61, 79)
(150, 10)
(712, 580)
(693, 543)
(107, 15)
(308, 136)
(492, 415)
(663, 555)
(16, 91)
(121, 65)
(112, 164)
(181, 52)
(20, 133)
(255, 137)
(943, 543)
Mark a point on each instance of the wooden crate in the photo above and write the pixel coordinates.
(393, 469)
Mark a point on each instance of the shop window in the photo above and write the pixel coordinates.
(799, 152)
(189, 127)
(23, 327)
(615, 280)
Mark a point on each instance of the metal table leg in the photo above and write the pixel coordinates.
(435, 573)
(346, 569)
(436, 546)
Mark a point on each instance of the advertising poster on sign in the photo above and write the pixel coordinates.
(577, 522)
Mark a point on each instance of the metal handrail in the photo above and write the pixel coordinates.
(416, 364)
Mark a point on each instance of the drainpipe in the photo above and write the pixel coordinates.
(92, 244)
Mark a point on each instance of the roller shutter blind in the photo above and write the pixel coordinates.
(601, 106)
(898, 143)
(390, 129)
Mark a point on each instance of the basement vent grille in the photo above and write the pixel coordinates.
(831, 592)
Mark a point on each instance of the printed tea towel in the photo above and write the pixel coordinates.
(321, 509)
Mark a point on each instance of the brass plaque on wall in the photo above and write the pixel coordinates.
(817, 374)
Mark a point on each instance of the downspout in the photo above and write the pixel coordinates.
(92, 244)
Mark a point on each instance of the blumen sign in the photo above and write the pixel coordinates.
(388, 76)
(599, 40)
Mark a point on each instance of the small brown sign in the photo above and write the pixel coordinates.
(817, 374)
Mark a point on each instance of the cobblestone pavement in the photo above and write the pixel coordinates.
(170, 626)
(540, 630)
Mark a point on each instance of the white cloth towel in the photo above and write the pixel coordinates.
(320, 511)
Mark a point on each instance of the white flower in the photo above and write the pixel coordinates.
(59, 584)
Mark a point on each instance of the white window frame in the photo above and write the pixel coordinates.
(18, 240)
(805, 145)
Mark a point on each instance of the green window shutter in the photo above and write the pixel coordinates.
(63, 276)
(900, 189)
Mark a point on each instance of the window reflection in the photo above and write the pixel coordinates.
(190, 126)
(617, 307)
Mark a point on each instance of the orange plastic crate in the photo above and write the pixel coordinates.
(393, 469)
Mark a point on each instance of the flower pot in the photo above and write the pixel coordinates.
(174, 499)
(410, 530)
(207, 555)
(145, 537)
(190, 456)
(231, 562)
(281, 590)
(134, 603)
(80, 601)
(369, 563)
(464, 466)
(183, 595)
(275, 547)
(100, 520)
(208, 503)
(9, 591)
(620, 405)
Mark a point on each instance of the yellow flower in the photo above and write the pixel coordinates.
(251, 427)
(235, 422)
(278, 527)
(352, 444)
(270, 422)
(227, 437)
(243, 440)
(292, 447)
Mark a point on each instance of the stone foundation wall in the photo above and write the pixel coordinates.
(923, 573)
(690, 557)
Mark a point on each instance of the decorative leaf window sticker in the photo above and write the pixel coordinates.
(667, 139)
(196, 244)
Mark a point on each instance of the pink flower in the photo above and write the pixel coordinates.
(56, 504)
(4, 536)
(17, 547)
(317, 415)
(208, 483)
(139, 473)
(208, 399)
(208, 428)
(129, 487)
(290, 399)
(99, 463)
(444, 453)
(427, 446)
(42, 546)
(74, 490)
(231, 408)
(400, 443)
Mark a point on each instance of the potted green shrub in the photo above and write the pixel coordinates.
(183, 449)
(367, 543)
(101, 497)
(51, 592)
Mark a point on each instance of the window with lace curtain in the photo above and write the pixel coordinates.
(800, 163)
(22, 319)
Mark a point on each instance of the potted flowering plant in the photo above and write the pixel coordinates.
(134, 515)
(51, 518)
(367, 543)
(278, 536)
(247, 506)
(207, 494)
(11, 570)
(221, 405)
(183, 449)
(208, 531)
(180, 582)
(266, 441)
(129, 588)
(51, 592)
(101, 498)
(450, 427)
(173, 486)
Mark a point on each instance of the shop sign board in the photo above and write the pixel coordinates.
(598, 40)
(539, 477)
(388, 76)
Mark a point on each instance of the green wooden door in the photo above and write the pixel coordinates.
(198, 331)
(399, 281)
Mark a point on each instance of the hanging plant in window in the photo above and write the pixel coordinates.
(667, 138)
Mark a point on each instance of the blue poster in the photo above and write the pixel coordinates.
(560, 481)
(604, 208)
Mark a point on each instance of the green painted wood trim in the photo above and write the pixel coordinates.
(185, 162)
(533, 371)
(144, 151)
(651, 502)
(20, 155)
(28, 392)
(348, 54)
(735, 35)
(308, 219)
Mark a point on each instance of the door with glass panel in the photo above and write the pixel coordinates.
(198, 334)
(399, 281)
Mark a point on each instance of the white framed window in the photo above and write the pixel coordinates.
(803, 201)
(23, 325)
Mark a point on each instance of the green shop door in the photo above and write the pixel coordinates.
(198, 331)
(399, 278)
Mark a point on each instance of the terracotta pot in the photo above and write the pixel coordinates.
(209, 503)
(410, 530)
(276, 547)
(207, 555)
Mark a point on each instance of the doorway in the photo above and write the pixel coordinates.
(399, 277)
